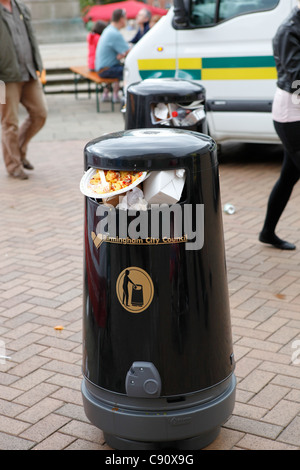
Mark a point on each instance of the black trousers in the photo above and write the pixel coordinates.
(289, 134)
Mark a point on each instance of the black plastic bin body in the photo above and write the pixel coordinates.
(165, 373)
(143, 96)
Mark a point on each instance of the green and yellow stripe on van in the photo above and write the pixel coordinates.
(210, 68)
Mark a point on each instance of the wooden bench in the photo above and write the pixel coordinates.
(93, 77)
(59, 80)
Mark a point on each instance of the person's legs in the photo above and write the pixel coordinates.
(114, 72)
(33, 99)
(278, 200)
(105, 95)
(116, 88)
(10, 127)
(289, 134)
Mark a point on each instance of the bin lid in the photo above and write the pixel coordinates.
(168, 90)
(151, 149)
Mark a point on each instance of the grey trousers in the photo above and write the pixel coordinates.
(15, 138)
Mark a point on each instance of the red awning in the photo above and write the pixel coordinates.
(132, 7)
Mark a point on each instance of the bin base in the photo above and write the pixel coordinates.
(142, 423)
(194, 443)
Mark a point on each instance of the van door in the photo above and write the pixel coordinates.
(237, 68)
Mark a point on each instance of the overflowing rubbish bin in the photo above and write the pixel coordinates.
(158, 364)
(166, 102)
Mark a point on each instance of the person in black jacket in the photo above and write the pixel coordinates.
(286, 118)
(142, 20)
(20, 63)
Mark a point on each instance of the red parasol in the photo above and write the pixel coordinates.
(132, 7)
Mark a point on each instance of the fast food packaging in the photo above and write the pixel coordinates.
(97, 192)
(164, 187)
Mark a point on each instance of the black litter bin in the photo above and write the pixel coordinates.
(158, 361)
(166, 102)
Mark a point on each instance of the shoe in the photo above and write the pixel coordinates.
(276, 242)
(19, 174)
(116, 99)
(27, 165)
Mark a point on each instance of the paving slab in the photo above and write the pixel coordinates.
(41, 253)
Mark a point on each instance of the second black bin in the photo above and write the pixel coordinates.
(166, 102)
(157, 350)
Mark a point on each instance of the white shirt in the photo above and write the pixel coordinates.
(286, 106)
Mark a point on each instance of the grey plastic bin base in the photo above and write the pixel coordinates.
(149, 424)
(194, 443)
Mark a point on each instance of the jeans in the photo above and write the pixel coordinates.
(113, 72)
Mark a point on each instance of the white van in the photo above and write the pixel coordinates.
(226, 45)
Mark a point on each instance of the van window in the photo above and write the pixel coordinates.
(230, 8)
(203, 12)
(210, 12)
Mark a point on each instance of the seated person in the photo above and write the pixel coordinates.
(142, 19)
(111, 49)
(92, 40)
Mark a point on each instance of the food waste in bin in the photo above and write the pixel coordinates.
(107, 183)
(136, 190)
(173, 114)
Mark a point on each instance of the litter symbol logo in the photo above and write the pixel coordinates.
(134, 289)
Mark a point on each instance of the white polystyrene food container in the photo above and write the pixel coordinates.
(87, 189)
(164, 187)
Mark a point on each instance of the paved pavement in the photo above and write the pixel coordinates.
(41, 251)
